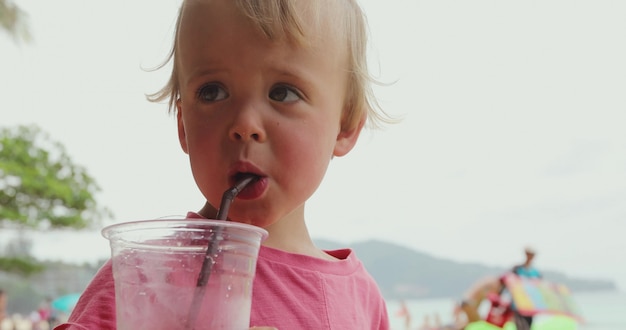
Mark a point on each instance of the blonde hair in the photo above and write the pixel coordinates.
(278, 19)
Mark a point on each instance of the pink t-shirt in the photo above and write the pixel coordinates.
(290, 291)
(294, 291)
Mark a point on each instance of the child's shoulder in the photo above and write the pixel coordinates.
(337, 262)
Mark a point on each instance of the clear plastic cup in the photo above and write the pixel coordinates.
(156, 264)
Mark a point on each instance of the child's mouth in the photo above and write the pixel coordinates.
(252, 190)
(243, 175)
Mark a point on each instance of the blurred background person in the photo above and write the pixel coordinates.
(527, 270)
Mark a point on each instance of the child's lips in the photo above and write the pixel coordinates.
(254, 189)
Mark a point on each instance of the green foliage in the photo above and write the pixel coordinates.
(22, 266)
(40, 187)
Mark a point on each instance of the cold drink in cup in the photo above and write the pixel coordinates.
(156, 264)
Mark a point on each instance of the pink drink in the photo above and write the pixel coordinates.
(156, 266)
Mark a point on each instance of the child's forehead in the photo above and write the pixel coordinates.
(219, 36)
(301, 22)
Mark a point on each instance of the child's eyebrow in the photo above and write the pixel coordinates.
(290, 73)
(301, 79)
(202, 72)
(298, 72)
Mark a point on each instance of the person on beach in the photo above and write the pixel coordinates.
(525, 269)
(275, 89)
(484, 289)
(404, 313)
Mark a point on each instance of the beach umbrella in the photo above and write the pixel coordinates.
(65, 303)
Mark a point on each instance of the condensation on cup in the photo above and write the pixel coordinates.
(156, 265)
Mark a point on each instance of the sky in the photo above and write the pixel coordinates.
(511, 133)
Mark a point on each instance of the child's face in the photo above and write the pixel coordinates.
(249, 104)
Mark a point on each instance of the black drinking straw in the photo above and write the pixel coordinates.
(207, 263)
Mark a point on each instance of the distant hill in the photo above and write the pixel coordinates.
(403, 273)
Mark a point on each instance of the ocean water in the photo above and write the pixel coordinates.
(601, 311)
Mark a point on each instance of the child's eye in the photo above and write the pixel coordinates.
(211, 93)
(284, 94)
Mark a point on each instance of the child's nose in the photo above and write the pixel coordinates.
(244, 136)
(247, 126)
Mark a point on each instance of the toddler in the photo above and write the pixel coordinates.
(273, 88)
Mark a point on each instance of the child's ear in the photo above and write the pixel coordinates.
(182, 137)
(346, 139)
